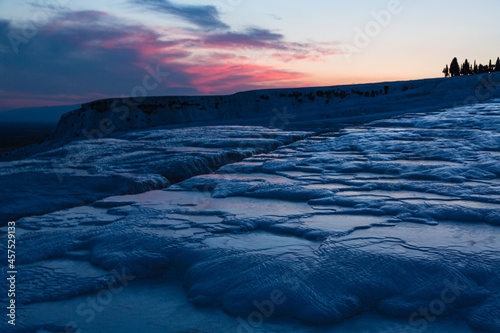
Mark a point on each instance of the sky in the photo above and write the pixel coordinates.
(61, 52)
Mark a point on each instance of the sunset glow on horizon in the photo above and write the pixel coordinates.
(60, 52)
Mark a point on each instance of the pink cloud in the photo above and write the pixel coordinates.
(219, 77)
(89, 55)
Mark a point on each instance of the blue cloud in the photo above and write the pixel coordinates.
(206, 17)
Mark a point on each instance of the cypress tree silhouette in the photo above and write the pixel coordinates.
(465, 68)
(454, 67)
(446, 71)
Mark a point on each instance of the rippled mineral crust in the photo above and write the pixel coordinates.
(390, 226)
